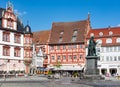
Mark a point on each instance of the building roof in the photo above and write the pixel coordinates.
(41, 37)
(105, 31)
(104, 34)
(68, 28)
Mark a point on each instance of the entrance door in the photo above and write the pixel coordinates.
(113, 71)
(104, 71)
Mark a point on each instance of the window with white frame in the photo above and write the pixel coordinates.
(110, 58)
(60, 39)
(107, 58)
(111, 49)
(115, 58)
(17, 52)
(6, 36)
(118, 40)
(119, 48)
(110, 33)
(69, 47)
(81, 46)
(52, 47)
(75, 57)
(58, 57)
(115, 49)
(107, 49)
(64, 47)
(109, 40)
(102, 49)
(58, 47)
(118, 58)
(6, 51)
(70, 57)
(74, 38)
(75, 32)
(53, 57)
(74, 46)
(16, 38)
(81, 56)
(64, 57)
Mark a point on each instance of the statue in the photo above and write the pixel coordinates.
(92, 47)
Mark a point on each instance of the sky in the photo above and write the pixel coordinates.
(40, 14)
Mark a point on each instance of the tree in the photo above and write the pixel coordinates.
(58, 65)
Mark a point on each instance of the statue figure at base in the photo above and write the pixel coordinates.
(92, 47)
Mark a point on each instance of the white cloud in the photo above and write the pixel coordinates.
(118, 25)
(18, 13)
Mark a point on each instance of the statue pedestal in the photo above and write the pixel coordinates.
(91, 71)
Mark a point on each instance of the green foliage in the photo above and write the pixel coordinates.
(75, 74)
(50, 73)
(58, 64)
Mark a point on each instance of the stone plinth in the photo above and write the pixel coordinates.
(91, 65)
(91, 71)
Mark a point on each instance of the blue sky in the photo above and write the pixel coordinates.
(42, 13)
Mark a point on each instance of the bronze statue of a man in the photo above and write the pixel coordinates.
(92, 47)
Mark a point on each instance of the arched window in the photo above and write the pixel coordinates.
(101, 33)
(118, 40)
(108, 40)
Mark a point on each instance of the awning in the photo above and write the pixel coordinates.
(71, 68)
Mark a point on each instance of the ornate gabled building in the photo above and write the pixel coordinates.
(67, 45)
(108, 48)
(15, 42)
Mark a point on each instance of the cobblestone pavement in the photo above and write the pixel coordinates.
(36, 81)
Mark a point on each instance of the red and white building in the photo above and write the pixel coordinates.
(64, 44)
(15, 42)
(67, 45)
(108, 48)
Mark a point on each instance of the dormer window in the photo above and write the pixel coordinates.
(74, 38)
(110, 33)
(27, 29)
(61, 33)
(75, 33)
(101, 33)
(92, 34)
(60, 39)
